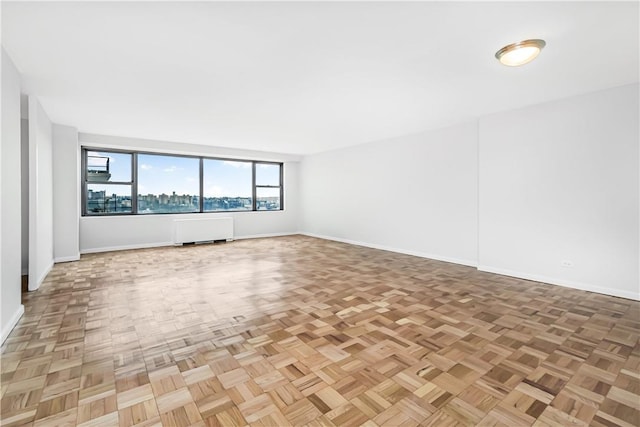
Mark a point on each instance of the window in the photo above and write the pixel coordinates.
(108, 181)
(103, 198)
(227, 185)
(268, 186)
(118, 182)
(168, 184)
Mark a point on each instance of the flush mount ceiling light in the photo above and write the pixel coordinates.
(520, 53)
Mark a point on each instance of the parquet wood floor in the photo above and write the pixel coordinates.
(302, 331)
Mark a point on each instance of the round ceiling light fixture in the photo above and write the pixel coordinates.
(520, 53)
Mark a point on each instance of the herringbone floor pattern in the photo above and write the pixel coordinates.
(301, 331)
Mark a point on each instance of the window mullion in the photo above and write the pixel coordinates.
(134, 183)
(201, 185)
(281, 186)
(254, 205)
(84, 182)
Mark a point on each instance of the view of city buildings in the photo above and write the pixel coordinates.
(225, 184)
(98, 201)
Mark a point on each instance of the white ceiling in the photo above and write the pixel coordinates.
(306, 77)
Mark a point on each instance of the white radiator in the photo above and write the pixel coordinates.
(202, 230)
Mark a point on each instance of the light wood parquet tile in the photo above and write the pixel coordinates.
(301, 331)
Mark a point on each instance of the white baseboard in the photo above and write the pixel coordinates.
(470, 263)
(488, 269)
(6, 329)
(124, 247)
(43, 276)
(160, 244)
(262, 236)
(67, 258)
(561, 282)
(397, 250)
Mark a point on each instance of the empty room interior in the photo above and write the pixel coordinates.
(320, 213)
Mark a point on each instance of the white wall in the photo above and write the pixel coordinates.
(415, 194)
(24, 186)
(10, 203)
(126, 232)
(40, 194)
(66, 204)
(559, 182)
(108, 141)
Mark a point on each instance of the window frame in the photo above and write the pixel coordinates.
(153, 153)
(85, 181)
(253, 204)
(134, 182)
(256, 185)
